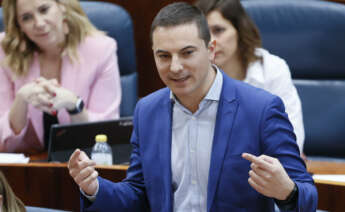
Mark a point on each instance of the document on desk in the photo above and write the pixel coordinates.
(13, 158)
(330, 177)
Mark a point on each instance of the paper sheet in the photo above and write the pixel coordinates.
(330, 177)
(13, 158)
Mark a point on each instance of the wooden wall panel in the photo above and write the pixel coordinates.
(142, 13)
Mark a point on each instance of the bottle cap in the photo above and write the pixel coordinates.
(101, 138)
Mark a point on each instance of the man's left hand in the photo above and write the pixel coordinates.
(268, 177)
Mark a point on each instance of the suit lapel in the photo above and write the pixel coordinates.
(165, 115)
(227, 109)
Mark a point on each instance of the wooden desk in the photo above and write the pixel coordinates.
(331, 194)
(50, 185)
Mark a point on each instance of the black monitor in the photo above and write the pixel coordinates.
(64, 139)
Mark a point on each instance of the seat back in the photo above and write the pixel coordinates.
(117, 23)
(310, 36)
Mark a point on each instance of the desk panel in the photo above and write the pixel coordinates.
(50, 185)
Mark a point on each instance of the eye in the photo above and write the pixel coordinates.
(187, 53)
(26, 17)
(43, 9)
(217, 30)
(163, 56)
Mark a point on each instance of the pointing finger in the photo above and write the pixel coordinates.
(260, 162)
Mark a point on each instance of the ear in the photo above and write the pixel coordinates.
(212, 50)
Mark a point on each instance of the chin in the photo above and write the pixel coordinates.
(219, 61)
(179, 91)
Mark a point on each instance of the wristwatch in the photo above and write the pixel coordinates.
(79, 106)
(290, 202)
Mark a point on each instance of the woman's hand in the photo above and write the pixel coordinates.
(62, 97)
(47, 95)
(35, 94)
(32, 93)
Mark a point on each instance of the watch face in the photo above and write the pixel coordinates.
(78, 107)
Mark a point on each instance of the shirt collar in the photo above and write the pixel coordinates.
(215, 90)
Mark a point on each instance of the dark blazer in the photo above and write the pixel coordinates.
(248, 120)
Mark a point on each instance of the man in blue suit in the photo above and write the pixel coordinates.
(204, 143)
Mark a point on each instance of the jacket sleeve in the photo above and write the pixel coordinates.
(126, 196)
(278, 141)
(105, 96)
(8, 140)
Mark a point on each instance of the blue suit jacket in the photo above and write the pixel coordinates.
(248, 120)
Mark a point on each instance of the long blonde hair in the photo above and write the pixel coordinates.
(10, 202)
(19, 49)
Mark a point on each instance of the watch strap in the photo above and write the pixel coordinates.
(291, 201)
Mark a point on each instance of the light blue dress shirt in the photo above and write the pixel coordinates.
(192, 137)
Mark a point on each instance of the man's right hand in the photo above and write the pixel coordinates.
(82, 169)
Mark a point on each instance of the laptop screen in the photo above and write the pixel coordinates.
(64, 139)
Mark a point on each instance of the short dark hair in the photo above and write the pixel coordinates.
(182, 13)
(248, 34)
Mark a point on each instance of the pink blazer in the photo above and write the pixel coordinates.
(95, 78)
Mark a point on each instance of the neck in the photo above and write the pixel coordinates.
(234, 68)
(192, 101)
(51, 54)
(50, 65)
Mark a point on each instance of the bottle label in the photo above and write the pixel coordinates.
(102, 159)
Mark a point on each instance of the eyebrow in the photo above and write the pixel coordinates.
(187, 47)
(181, 50)
(159, 51)
(215, 25)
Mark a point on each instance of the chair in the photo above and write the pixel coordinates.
(117, 23)
(310, 36)
(115, 20)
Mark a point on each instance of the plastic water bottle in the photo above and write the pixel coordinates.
(101, 151)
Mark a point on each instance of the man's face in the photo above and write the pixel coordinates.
(183, 60)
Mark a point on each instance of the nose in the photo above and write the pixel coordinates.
(175, 65)
(39, 22)
(212, 36)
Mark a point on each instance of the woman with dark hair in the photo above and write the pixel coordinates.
(240, 55)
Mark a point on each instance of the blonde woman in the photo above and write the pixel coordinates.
(9, 202)
(55, 67)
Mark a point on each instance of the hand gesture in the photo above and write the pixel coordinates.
(63, 98)
(268, 177)
(34, 93)
(82, 169)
